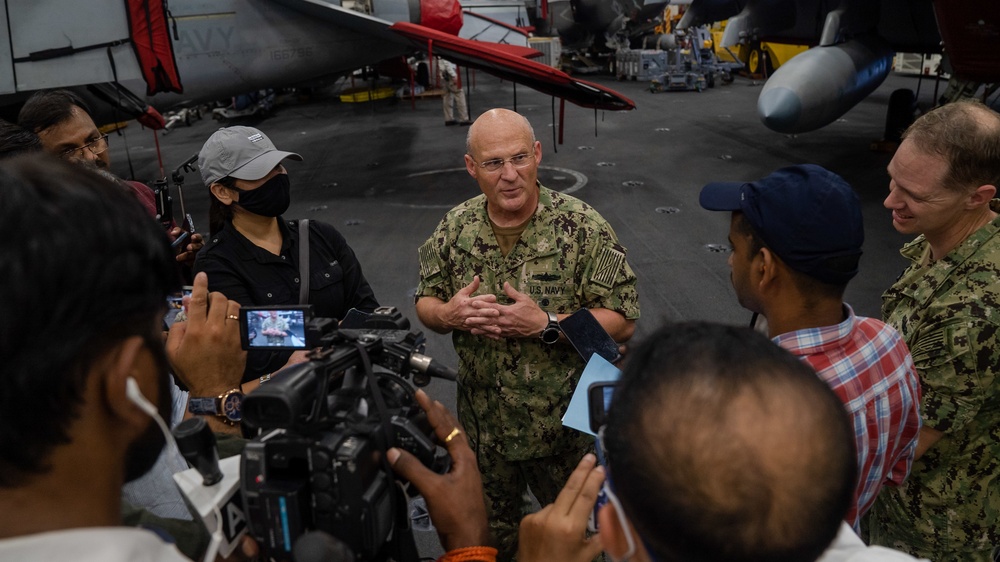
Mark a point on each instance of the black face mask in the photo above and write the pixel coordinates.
(143, 452)
(269, 200)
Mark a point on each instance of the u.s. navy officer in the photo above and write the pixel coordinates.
(498, 272)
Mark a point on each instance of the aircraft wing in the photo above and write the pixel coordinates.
(503, 60)
(499, 61)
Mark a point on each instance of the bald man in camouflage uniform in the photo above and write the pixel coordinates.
(491, 273)
(946, 305)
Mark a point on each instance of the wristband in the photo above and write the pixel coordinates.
(470, 554)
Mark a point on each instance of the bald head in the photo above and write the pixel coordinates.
(966, 134)
(722, 446)
(496, 119)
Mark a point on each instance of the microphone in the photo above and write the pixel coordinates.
(317, 546)
(197, 444)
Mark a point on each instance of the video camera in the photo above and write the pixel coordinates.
(323, 427)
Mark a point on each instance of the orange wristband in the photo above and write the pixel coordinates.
(470, 554)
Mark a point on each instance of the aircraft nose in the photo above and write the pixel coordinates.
(442, 15)
(780, 109)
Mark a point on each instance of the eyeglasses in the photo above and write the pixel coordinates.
(96, 146)
(518, 160)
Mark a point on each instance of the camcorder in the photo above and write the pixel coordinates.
(322, 428)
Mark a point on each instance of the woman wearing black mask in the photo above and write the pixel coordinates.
(252, 252)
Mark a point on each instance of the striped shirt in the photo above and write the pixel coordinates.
(869, 367)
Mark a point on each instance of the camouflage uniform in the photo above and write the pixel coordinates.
(568, 257)
(948, 312)
(275, 324)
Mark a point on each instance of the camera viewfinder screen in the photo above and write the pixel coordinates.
(276, 328)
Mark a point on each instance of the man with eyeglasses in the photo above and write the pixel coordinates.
(499, 272)
(62, 121)
(720, 447)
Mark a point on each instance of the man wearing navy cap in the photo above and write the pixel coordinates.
(796, 239)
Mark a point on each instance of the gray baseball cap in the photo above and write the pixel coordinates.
(244, 153)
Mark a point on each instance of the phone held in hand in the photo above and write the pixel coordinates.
(588, 337)
(180, 243)
(599, 395)
(175, 307)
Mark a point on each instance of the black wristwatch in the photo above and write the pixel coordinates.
(227, 406)
(550, 334)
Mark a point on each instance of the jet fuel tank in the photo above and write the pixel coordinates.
(817, 86)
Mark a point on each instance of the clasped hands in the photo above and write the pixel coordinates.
(482, 315)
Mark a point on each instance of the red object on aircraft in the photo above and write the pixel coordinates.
(499, 61)
(969, 31)
(442, 15)
(151, 40)
(152, 119)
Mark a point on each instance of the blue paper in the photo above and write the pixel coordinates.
(577, 416)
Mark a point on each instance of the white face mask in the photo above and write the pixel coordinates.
(621, 520)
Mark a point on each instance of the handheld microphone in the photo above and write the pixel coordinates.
(197, 444)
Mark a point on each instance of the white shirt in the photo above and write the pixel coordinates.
(92, 544)
(848, 547)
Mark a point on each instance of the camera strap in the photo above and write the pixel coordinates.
(304, 261)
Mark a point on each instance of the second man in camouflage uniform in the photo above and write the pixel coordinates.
(946, 306)
(493, 273)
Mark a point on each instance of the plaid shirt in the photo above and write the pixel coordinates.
(869, 367)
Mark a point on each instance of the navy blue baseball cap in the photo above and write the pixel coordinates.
(807, 215)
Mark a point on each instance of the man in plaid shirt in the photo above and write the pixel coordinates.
(796, 237)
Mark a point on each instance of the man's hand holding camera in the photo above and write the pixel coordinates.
(205, 350)
(454, 500)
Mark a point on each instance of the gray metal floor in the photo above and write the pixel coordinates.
(384, 174)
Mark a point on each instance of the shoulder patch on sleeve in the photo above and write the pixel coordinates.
(609, 263)
(429, 263)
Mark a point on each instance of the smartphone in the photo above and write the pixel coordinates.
(180, 243)
(274, 328)
(175, 306)
(589, 337)
(599, 396)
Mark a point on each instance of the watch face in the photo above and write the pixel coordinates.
(232, 406)
(550, 335)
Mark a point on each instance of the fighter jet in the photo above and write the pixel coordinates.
(134, 52)
(855, 41)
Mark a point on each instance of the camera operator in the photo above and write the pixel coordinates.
(71, 432)
(720, 446)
